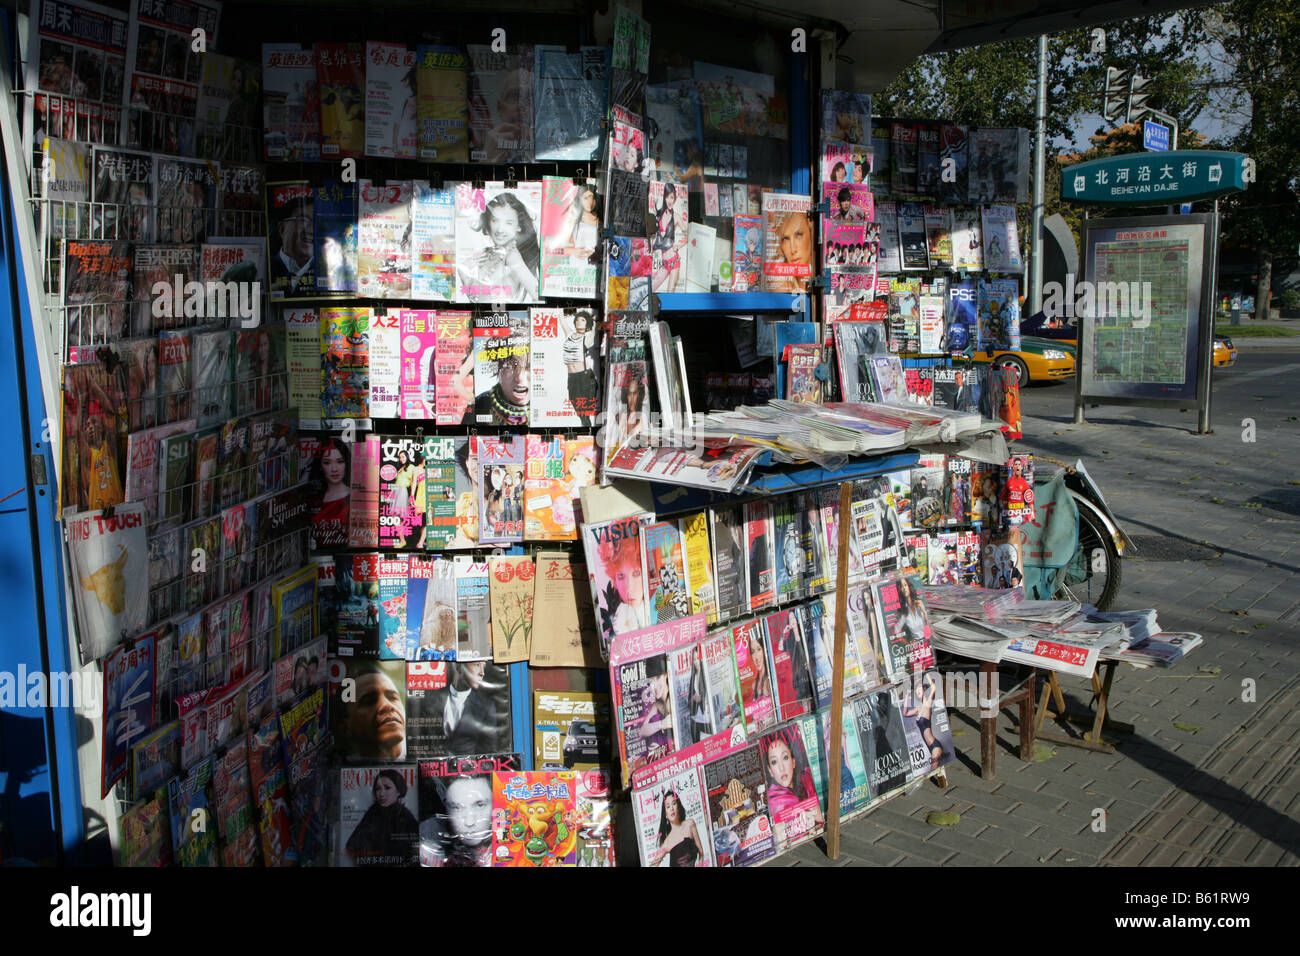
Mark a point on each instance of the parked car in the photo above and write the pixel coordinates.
(582, 744)
(1063, 329)
(1225, 353)
(1037, 360)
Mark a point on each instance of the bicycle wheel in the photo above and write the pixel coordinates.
(1100, 582)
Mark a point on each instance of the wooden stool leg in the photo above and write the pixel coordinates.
(1027, 718)
(1056, 693)
(1102, 689)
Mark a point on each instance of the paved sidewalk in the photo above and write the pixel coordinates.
(1209, 776)
(1241, 807)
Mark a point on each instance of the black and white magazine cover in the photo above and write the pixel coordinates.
(456, 808)
(856, 343)
(498, 254)
(378, 825)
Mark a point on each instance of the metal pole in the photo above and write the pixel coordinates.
(1035, 297)
(1081, 342)
(1208, 315)
(835, 745)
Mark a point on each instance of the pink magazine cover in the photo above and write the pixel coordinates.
(791, 676)
(791, 793)
(453, 366)
(419, 369)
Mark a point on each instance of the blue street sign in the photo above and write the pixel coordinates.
(1155, 136)
(1185, 209)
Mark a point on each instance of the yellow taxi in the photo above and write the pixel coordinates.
(1037, 360)
(1225, 353)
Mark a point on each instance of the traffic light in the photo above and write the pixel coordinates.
(1115, 95)
(1138, 93)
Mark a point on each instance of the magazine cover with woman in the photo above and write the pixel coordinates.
(498, 256)
(377, 816)
(571, 221)
(755, 676)
(846, 116)
(736, 786)
(643, 706)
(456, 808)
(616, 568)
(667, 219)
(673, 822)
(904, 625)
(561, 358)
(925, 721)
(501, 488)
(788, 242)
(792, 801)
(788, 659)
(402, 493)
(690, 697)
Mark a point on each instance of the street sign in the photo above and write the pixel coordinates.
(1155, 136)
(1179, 176)
(1185, 209)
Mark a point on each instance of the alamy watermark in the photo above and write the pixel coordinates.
(208, 300)
(1108, 300)
(38, 690)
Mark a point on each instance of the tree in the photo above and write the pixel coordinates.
(996, 85)
(1255, 44)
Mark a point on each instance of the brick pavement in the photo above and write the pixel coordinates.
(1208, 777)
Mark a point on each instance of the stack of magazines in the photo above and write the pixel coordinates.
(1160, 649)
(970, 601)
(1040, 612)
(980, 640)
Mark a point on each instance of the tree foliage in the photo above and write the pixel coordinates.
(1259, 40)
(1240, 58)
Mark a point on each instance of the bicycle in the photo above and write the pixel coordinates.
(1094, 572)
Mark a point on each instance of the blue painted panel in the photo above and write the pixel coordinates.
(40, 797)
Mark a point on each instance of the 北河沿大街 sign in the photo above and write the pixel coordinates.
(1156, 178)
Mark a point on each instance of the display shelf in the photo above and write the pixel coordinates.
(777, 479)
(730, 302)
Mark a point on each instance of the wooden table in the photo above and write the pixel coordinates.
(1102, 676)
(1021, 694)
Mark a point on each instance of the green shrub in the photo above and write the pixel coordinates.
(1289, 299)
